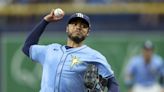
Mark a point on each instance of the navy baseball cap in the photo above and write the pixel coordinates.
(80, 16)
(148, 45)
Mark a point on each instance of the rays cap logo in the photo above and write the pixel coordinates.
(80, 16)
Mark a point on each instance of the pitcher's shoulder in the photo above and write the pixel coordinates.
(54, 45)
(95, 53)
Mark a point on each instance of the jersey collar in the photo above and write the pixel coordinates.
(73, 49)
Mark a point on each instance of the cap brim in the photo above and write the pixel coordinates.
(78, 18)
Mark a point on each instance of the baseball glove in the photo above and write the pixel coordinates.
(92, 80)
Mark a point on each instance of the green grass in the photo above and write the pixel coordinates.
(22, 75)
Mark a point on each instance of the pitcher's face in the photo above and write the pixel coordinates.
(77, 30)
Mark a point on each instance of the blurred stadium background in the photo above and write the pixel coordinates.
(119, 27)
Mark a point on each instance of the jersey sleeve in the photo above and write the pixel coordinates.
(129, 72)
(104, 68)
(130, 68)
(160, 66)
(37, 53)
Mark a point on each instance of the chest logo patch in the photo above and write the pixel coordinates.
(74, 61)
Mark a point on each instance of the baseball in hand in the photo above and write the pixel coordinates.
(58, 12)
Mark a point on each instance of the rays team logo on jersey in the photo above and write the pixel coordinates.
(74, 61)
(80, 15)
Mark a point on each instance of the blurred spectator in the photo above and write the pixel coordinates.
(144, 71)
(98, 1)
(5, 2)
(41, 1)
(149, 20)
(91, 1)
(79, 1)
(24, 1)
(140, 1)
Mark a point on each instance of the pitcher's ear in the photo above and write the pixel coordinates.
(87, 34)
(67, 29)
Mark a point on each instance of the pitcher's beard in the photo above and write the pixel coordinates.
(77, 39)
